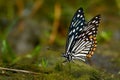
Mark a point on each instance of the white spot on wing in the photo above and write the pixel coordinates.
(81, 24)
(83, 34)
(96, 17)
(96, 22)
(78, 15)
(76, 33)
(90, 33)
(93, 21)
(81, 16)
(79, 10)
(80, 29)
(93, 31)
(77, 28)
(93, 28)
(87, 39)
(73, 30)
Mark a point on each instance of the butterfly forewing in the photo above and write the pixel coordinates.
(81, 42)
(77, 24)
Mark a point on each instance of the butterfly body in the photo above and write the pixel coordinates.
(81, 42)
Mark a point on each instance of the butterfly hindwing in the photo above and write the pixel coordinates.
(92, 25)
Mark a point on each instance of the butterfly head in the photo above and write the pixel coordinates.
(67, 56)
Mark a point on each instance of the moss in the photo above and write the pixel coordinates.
(68, 71)
(79, 71)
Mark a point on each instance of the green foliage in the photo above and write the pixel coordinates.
(44, 63)
(104, 36)
(7, 54)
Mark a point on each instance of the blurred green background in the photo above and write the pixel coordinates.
(33, 37)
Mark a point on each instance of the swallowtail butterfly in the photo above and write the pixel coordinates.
(81, 42)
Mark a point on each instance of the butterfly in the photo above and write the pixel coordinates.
(81, 42)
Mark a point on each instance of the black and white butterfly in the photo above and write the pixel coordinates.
(81, 42)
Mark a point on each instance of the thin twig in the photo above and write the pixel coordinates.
(17, 70)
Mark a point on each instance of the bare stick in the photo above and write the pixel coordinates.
(17, 70)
